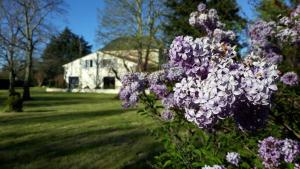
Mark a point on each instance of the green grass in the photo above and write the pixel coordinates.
(72, 130)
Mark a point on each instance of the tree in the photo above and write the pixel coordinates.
(10, 40)
(270, 9)
(62, 49)
(132, 18)
(35, 28)
(178, 13)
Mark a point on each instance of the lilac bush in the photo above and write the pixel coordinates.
(205, 83)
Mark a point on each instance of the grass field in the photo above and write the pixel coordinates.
(71, 130)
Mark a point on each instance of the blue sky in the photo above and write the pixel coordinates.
(81, 18)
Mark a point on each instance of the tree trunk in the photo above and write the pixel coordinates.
(11, 82)
(27, 79)
(11, 89)
(139, 35)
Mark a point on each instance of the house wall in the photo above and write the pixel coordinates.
(88, 75)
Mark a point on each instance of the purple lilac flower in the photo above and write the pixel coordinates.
(174, 74)
(270, 152)
(288, 34)
(290, 150)
(207, 20)
(290, 78)
(132, 85)
(206, 101)
(259, 33)
(274, 151)
(223, 36)
(167, 115)
(233, 158)
(258, 80)
(286, 30)
(201, 7)
(156, 83)
(297, 166)
(169, 101)
(208, 83)
(194, 55)
(285, 21)
(160, 90)
(213, 167)
(296, 12)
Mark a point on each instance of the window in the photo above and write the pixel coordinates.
(106, 62)
(86, 63)
(91, 63)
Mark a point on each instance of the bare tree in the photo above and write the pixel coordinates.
(138, 19)
(10, 40)
(34, 27)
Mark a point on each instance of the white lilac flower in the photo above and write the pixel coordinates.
(207, 20)
(213, 167)
(290, 150)
(233, 158)
(258, 80)
(207, 100)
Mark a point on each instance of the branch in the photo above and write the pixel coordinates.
(291, 130)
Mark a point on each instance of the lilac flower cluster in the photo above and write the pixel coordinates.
(205, 19)
(133, 84)
(233, 158)
(205, 101)
(272, 151)
(169, 101)
(260, 33)
(290, 150)
(288, 29)
(213, 167)
(194, 55)
(203, 79)
(290, 79)
(156, 84)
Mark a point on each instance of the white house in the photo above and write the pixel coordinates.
(101, 69)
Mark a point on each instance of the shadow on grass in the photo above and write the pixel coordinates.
(144, 159)
(54, 147)
(65, 101)
(31, 119)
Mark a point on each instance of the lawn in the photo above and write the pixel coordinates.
(72, 130)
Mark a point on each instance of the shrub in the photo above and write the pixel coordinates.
(14, 103)
(217, 110)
